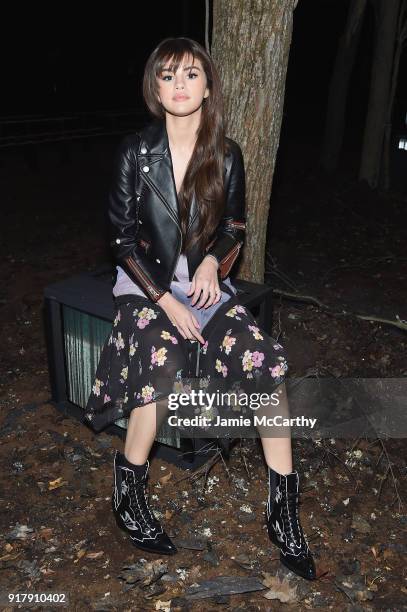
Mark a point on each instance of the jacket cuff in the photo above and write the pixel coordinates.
(225, 249)
(153, 290)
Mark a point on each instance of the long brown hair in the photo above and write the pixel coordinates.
(204, 173)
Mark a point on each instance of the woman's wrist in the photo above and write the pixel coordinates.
(213, 258)
(165, 298)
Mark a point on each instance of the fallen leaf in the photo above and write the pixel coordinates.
(279, 589)
(163, 605)
(81, 553)
(55, 484)
(165, 479)
(46, 533)
(375, 552)
(95, 555)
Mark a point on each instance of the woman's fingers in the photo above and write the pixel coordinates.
(212, 295)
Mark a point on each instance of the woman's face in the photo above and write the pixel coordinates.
(181, 93)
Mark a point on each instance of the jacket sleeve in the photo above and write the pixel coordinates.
(124, 223)
(230, 233)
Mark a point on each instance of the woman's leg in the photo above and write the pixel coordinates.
(144, 422)
(277, 451)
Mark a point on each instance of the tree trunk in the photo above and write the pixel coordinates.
(338, 91)
(379, 92)
(401, 38)
(250, 45)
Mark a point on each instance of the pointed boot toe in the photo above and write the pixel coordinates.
(303, 566)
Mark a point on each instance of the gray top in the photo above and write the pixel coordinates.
(125, 285)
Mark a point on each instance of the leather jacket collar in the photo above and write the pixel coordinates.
(155, 153)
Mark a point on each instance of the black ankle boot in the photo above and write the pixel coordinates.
(283, 524)
(131, 509)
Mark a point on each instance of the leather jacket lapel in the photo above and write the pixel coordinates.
(156, 169)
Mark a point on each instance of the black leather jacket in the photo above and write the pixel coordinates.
(143, 212)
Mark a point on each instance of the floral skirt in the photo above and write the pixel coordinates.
(144, 358)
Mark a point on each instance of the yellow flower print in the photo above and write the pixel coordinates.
(124, 373)
(147, 393)
(167, 336)
(228, 342)
(221, 367)
(256, 332)
(158, 357)
(247, 361)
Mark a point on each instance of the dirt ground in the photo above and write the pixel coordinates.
(331, 239)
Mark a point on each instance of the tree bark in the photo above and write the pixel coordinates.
(401, 39)
(379, 91)
(250, 45)
(338, 91)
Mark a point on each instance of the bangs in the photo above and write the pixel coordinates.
(172, 60)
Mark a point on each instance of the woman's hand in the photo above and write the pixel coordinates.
(181, 317)
(205, 280)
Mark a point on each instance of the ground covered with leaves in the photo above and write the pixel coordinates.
(332, 241)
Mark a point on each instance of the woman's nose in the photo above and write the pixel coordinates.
(179, 81)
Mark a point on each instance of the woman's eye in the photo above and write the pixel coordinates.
(167, 77)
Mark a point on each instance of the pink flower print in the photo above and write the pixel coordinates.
(257, 359)
(106, 398)
(142, 323)
(167, 336)
(147, 393)
(240, 308)
(145, 315)
(278, 370)
(158, 357)
(204, 348)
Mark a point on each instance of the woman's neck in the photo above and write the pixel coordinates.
(182, 131)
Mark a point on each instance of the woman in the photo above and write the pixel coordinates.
(177, 212)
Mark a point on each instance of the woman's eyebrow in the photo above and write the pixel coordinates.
(186, 68)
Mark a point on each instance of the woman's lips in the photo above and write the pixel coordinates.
(180, 98)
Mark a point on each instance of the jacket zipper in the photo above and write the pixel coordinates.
(231, 255)
(238, 224)
(145, 281)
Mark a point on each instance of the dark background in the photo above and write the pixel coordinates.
(62, 60)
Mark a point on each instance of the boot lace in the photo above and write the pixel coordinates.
(291, 519)
(137, 492)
